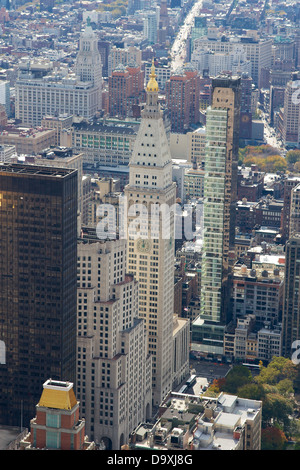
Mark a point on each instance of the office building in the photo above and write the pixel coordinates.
(214, 63)
(257, 49)
(290, 316)
(125, 91)
(199, 29)
(194, 184)
(5, 96)
(126, 56)
(258, 291)
(106, 143)
(7, 152)
(57, 425)
(220, 196)
(289, 184)
(59, 123)
(38, 214)
(290, 126)
(88, 66)
(113, 367)
(27, 140)
(151, 24)
(59, 157)
(196, 141)
(295, 210)
(183, 99)
(42, 90)
(151, 248)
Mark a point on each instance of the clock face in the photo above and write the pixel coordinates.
(144, 245)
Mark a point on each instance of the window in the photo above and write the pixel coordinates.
(52, 420)
(52, 440)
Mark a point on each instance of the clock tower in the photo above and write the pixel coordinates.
(150, 228)
(88, 66)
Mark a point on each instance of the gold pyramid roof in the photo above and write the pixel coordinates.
(58, 395)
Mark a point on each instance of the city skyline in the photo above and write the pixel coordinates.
(149, 180)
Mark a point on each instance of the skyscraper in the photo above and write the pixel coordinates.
(88, 66)
(295, 211)
(220, 196)
(291, 302)
(114, 370)
(38, 234)
(151, 253)
(290, 125)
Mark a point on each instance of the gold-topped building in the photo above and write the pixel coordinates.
(152, 83)
(57, 424)
(59, 395)
(150, 248)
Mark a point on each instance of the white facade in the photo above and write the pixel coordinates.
(217, 62)
(114, 373)
(42, 91)
(129, 55)
(150, 255)
(7, 152)
(151, 27)
(5, 96)
(88, 67)
(258, 51)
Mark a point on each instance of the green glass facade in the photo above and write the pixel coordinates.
(214, 190)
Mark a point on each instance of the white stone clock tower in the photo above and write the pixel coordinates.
(151, 247)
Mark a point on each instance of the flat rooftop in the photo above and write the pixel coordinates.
(8, 434)
(27, 169)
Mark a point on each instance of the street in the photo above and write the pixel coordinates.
(178, 52)
(209, 370)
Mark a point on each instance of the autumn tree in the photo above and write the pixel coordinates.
(272, 438)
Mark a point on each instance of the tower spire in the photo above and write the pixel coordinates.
(152, 83)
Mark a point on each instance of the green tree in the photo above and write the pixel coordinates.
(278, 369)
(293, 156)
(252, 391)
(276, 409)
(285, 387)
(237, 377)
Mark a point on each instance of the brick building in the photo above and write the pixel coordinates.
(57, 424)
(183, 99)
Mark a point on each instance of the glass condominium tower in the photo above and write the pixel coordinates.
(220, 196)
(38, 263)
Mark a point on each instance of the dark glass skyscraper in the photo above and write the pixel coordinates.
(38, 258)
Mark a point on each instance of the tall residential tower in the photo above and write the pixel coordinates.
(220, 196)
